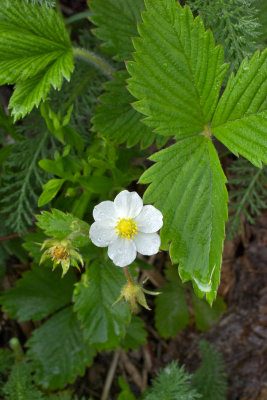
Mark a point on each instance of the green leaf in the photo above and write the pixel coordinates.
(103, 325)
(206, 316)
(96, 184)
(240, 120)
(210, 379)
(178, 71)
(61, 225)
(37, 294)
(135, 334)
(32, 243)
(172, 383)
(117, 21)
(22, 180)
(35, 53)
(125, 393)
(248, 195)
(55, 167)
(234, 24)
(193, 200)
(171, 312)
(6, 361)
(20, 385)
(6, 122)
(73, 138)
(51, 188)
(261, 7)
(66, 395)
(115, 118)
(58, 352)
(4, 153)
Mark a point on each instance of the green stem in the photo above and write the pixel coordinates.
(94, 60)
(17, 349)
(78, 17)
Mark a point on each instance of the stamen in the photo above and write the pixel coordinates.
(59, 253)
(126, 228)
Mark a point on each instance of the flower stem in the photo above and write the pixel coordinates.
(93, 59)
(128, 276)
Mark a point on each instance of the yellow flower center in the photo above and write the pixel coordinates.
(59, 253)
(126, 228)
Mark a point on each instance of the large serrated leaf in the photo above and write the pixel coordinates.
(240, 120)
(117, 21)
(35, 53)
(38, 293)
(116, 119)
(178, 71)
(103, 325)
(188, 187)
(58, 352)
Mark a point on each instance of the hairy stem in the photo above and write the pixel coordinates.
(94, 60)
(128, 276)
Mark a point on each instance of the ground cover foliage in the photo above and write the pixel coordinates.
(155, 96)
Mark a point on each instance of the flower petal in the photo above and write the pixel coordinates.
(122, 252)
(128, 204)
(105, 212)
(147, 243)
(102, 235)
(149, 220)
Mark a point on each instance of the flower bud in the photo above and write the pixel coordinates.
(61, 252)
(133, 293)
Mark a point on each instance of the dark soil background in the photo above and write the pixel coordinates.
(240, 334)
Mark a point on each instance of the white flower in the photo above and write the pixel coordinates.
(126, 227)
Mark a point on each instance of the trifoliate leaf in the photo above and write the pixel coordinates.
(116, 119)
(135, 334)
(240, 120)
(35, 53)
(38, 293)
(171, 313)
(58, 352)
(188, 187)
(178, 71)
(117, 24)
(206, 316)
(103, 324)
(62, 225)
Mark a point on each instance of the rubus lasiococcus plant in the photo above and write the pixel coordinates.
(148, 100)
